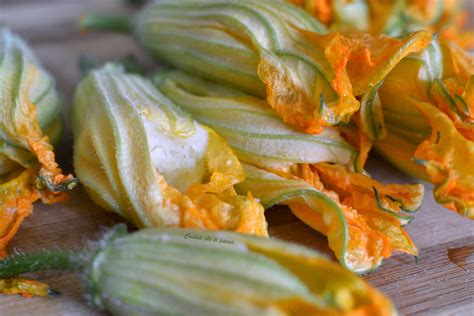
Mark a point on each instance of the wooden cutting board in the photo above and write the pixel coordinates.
(442, 283)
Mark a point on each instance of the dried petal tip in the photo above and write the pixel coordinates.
(25, 288)
(60, 183)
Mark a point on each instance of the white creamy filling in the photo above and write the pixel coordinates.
(179, 160)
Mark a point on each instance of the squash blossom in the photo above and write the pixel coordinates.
(29, 120)
(182, 272)
(393, 17)
(427, 103)
(361, 217)
(269, 49)
(139, 155)
(440, 76)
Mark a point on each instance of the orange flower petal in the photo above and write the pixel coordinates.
(447, 157)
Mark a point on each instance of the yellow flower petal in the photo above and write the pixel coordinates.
(23, 287)
(448, 157)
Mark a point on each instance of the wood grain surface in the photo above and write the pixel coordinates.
(442, 283)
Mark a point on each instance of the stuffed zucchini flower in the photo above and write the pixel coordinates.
(29, 121)
(270, 49)
(361, 217)
(139, 155)
(428, 114)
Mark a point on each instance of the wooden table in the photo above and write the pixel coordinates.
(442, 283)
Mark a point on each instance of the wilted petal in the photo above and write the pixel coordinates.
(447, 156)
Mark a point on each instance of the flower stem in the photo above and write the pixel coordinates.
(38, 261)
(108, 23)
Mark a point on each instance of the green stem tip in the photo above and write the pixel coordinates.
(37, 261)
(107, 23)
(52, 292)
(56, 259)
